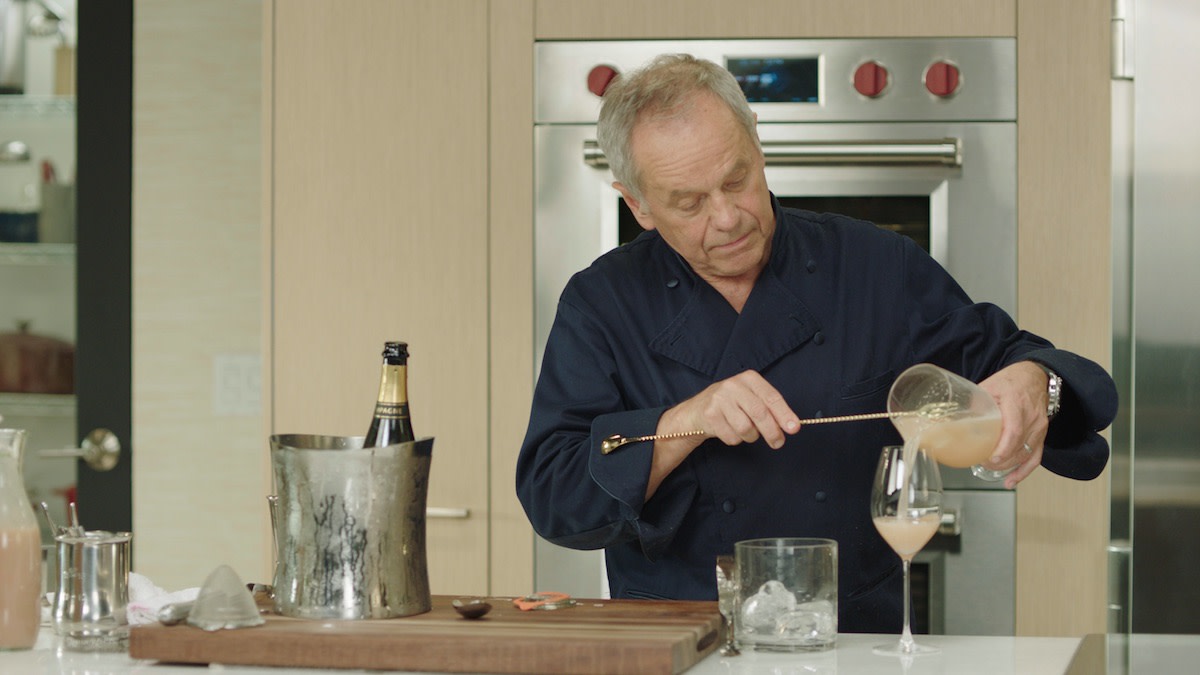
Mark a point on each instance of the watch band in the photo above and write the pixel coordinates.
(1053, 392)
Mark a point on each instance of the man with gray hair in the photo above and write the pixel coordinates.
(729, 315)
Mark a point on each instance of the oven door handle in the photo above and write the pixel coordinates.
(935, 152)
(951, 523)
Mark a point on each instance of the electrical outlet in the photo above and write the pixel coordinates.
(237, 384)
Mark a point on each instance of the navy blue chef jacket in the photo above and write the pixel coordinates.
(839, 311)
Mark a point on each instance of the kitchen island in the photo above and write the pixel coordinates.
(960, 654)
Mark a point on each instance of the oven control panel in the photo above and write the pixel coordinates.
(909, 79)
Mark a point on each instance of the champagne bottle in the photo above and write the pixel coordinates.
(391, 423)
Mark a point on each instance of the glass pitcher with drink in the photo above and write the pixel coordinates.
(952, 418)
(20, 550)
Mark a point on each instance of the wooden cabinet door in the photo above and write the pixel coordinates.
(377, 228)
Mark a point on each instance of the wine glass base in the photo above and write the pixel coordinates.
(898, 648)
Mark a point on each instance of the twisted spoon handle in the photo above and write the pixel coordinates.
(617, 440)
(859, 417)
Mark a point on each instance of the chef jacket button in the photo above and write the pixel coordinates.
(811, 266)
(672, 283)
(818, 338)
(819, 496)
(728, 506)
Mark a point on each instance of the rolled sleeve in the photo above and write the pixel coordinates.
(624, 473)
(1074, 446)
(574, 495)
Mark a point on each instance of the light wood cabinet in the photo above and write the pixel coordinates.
(636, 19)
(1064, 290)
(378, 229)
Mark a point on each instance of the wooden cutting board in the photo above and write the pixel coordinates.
(612, 637)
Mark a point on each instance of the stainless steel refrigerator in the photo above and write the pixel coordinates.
(1156, 319)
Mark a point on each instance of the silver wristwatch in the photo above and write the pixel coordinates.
(1053, 392)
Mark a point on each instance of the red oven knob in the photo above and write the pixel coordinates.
(870, 79)
(599, 78)
(942, 78)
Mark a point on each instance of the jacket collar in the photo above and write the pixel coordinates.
(708, 336)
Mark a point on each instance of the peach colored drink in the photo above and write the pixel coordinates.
(907, 536)
(962, 442)
(20, 587)
(958, 442)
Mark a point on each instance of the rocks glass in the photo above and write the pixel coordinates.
(787, 594)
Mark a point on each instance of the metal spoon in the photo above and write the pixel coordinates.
(175, 613)
(932, 411)
(54, 528)
(73, 526)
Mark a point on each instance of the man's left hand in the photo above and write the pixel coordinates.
(1020, 392)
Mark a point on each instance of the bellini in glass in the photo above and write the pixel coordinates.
(906, 507)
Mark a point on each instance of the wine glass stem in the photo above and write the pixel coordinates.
(730, 647)
(906, 640)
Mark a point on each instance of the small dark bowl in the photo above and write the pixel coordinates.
(471, 609)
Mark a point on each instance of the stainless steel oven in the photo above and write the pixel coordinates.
(916, 135)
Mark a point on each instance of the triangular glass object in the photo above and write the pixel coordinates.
(224, 602)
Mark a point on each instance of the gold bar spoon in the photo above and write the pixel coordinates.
(932, 411)
(617, 440)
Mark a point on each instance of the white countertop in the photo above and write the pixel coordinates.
(960, 654)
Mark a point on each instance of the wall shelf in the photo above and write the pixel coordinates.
(13, 405)
(37, 254)
(36, 106)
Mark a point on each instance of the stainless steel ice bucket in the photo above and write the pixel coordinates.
(350, 527)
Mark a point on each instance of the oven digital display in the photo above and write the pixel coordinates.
(777, 80)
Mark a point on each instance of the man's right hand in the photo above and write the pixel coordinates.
(740, 409)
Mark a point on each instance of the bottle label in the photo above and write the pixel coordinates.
(391, 411)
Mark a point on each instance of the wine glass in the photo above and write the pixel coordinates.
(727, 592)
(906, 507)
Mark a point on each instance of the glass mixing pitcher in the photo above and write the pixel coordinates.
(956, 421)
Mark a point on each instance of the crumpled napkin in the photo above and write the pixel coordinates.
(145, 599)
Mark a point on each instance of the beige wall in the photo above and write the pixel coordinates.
(198, 473)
